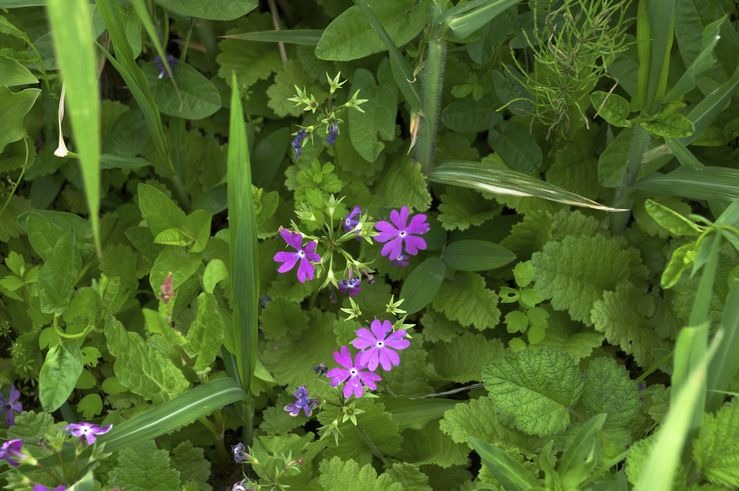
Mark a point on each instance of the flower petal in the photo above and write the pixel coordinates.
(397, 340)
(288, 260)
(388, 358)
(344, 358)
(418, 224)
(413, 244)
(380, 329)
(369, 379)
(387, 231)
(293, 239)
(305, 270)
(392, 249)
(370, 359)
(337, 375)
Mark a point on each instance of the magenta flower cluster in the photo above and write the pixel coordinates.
(378, 347)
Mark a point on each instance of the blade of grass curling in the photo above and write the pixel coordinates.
(71, 29)
(243, 237)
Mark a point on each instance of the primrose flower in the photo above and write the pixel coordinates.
(302, 401)
(88, 431)
(332, 132)
(41, 487)
(352, 374)
(297, 142)
(352, 219)
(10, 406)
(400, 234)
(159, 64)
(304, 255)
(11, 452)
(350, 286)
(378, 345)
(239, 453)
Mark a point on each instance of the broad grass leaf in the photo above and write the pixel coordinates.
(59, 373)
(349, 36)
(211, 10)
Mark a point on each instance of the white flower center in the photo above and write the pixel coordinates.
(380, 344)
(301, 254)
(353, 372)
(402, 234)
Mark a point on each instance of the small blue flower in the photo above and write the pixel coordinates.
(350, 286)
(171, 61)
(240, 454)
(297, 142)
(302, 402)
(352, 219)
(332, 132)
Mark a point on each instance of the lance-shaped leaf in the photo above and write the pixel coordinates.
(707, 183)
(468, 17)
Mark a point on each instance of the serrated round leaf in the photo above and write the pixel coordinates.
(611, 107)
(476, 255)
(198, 97)
(212, 9)
(422, 285)
(535, 389)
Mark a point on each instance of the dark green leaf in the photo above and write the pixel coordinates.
(476, 255)
(59, 373)
(422, 285)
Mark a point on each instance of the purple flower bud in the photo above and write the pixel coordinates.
(350, 286)
(297, 142)
(171, 61)
(240, 454)
(332, 132)
(11, 452)
(352, 219)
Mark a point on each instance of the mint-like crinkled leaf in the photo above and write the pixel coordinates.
(717, 449)
(464, 298)
(348, 475)
(144, 467)
(608, 389)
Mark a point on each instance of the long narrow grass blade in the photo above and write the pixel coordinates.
(467, 18)
(661, 24)
(709, 183)
(243, 232)
(511, 473)
(143, 14)
(402, 71)
(690, 349)
(71, 29)
(305, 37)
(475, 175)
(664, 457)
(725, 363)
(706, 111)
(174, 414)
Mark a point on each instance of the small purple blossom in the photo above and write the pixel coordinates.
(11, 452)
(11, 405)
(378, 345)
(304, 255)
(350, 286)
(302, 402)
(352, 374)
(41, 487)
(241, 486)
(332, 132)
(402, 261)
(297, 142)
(88, 431)
(240, 453)
(352, 219)
(320, 369)
(171, 61)
(400, 234)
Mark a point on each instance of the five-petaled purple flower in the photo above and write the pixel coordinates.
(240, 454)
(350, 286)
(302, 402)
(400, 234)
(378, 345)
(41, 487)
(11, 452)
(332, 132)
(352, 374)
(13, 404)
(171, 60)
(352, 219)
(88, 431)
(297, 142)
(305, 255)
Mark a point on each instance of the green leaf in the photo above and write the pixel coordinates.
(460, 209)
(716, 450)
(724, 365)
(478, 418)
(462, 359)
(707, 183)
(430, 446)
(141, 368)
(59, 275)
(535, 388)
(483, 177)
(306, 37)
(281, 316)
(159, 211)
(467, 18)
(577, 460)
(671, 220)
(207, 331)
(515, 145)
(409, 476)
(143, 467)
(673, 126)
(350, 476)
(609, 390)
(13, 73)
(403, 184)
(464, 298)
(576, 271)
(349, 36)
(470, 116)
(377, 119)
(14, 106)
(416, 413)
(213, 10)
(476, 255)
(621, 316)
(706, 111)
(703, 61)
(192, 465)
(30, 425)
(173, 260)
(613, 162)
(422, 284)
(196, 97)
(511, 473)
(174, 414)
(90, 406)
(249, 60)
(611, 107)
(59, 373)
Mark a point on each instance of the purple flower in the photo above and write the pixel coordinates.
(352, 219)
(11, 452)
(241, 486)
(171, 60)
(41, 487)
(302, 401)
(297, 142)
(332, 132)
(400, 234)
(87, 430)
(305, 255)
(352, 374)
(401, 261)
(350, 286)
(240, 454)
(377, 345)
(13, 404)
